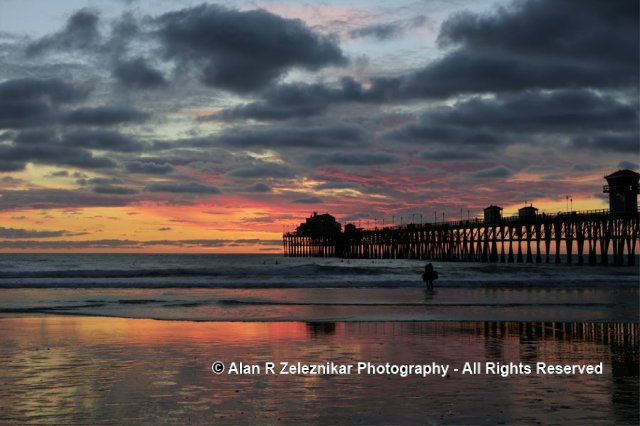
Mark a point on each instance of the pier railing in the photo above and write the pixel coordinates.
(591, 237)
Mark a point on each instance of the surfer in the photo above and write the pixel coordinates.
(429, 276)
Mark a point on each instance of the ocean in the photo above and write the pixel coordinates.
(277, 288)
(132, 339)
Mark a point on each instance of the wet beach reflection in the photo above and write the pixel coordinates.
(57, 369)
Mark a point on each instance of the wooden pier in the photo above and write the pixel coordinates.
(588, 237)
(580, 237)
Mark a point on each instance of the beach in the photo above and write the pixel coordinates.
(61, 369)
(93, 339)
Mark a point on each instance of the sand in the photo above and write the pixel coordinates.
(77, 369)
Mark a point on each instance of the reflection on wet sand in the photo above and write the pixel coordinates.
(56, 369)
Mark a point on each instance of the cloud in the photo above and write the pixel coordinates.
(148, 167)
(10, 179)
(80, 33)
(621, 143)
(280, 103)
(259, 187)
(586, 167)
(11, 166)
(103, 140)
(98, 181)
(31, 101)
(628, 165)
(243, 50)
(595, 31)
(515, 118)
(262, 170)
(115, 243)
(56, 198)
(493, 172)
(353, 158)
(15, 233)
(327, 136)
(308, 200)
(451, 154)
(259, 219)
(428, 132)
(540, 112)
(387, 31)
(104, 116)
(336, 185)
(535, 45)
(182, 188)
(16, 156)
(297, 100)
(591, 45)
(137, 73)
(114, 189)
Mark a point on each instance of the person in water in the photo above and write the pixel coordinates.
(429, 276)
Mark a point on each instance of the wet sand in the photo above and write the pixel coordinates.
(77, 369)
(324, 304)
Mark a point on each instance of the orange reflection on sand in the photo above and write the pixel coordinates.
(143, 331)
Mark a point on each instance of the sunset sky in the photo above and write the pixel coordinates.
(182, 126)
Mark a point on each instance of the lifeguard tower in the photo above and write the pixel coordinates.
(623, 191)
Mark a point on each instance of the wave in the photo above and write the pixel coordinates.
(271, 270)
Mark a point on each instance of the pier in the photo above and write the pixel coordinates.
(582, 237)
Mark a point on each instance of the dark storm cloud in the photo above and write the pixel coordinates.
(137, 73)
(16, 233)
(329, 136)
(104, 116)
(114, 189)
(493, 172)
(32, 101)
(182, 188)
(80, 33)
(353, 158)
(243, 51)
(308, 200)
(389, 30)
(262, 170)
(148, 167)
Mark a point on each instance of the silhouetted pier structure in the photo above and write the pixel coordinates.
(585, 237)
